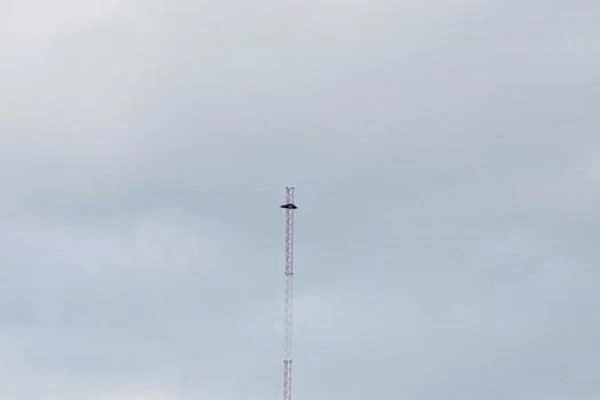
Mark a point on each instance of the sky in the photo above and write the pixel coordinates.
(446, 159)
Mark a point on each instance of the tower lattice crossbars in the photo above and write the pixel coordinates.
(290, 208)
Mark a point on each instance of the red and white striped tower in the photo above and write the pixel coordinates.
(289, 207)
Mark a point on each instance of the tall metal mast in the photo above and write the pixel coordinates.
(289, 207)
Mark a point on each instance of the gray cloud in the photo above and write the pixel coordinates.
(445, 154)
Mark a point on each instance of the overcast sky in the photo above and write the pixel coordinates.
(447, 161)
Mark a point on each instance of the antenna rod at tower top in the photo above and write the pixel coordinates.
(289, 207)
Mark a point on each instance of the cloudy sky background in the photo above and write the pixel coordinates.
(446, 154)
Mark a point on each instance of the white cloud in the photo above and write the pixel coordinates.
(439, 240)
(32, 24)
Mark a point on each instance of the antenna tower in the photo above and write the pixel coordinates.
(289, 207)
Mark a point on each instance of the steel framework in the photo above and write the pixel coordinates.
(290, 208)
